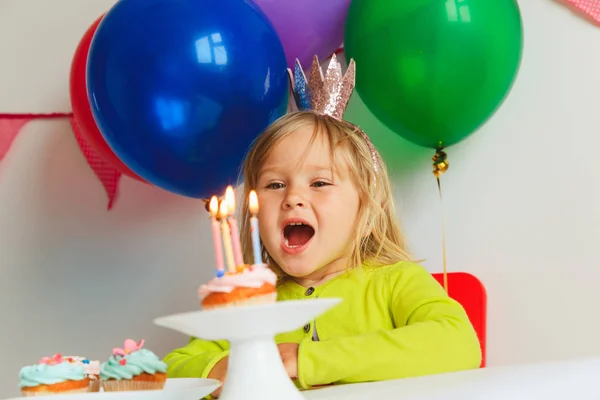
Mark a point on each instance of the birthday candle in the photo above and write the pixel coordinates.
(233, 226)
(253, 207)
(226, 237)
(218, 246)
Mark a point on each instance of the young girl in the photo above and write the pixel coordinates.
(328, 229)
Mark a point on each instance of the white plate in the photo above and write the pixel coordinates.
(175, 389)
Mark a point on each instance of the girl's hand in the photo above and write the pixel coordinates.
(289, 356)
(219, 372)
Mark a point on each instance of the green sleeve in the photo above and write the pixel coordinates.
(196, 359)
(433, 335)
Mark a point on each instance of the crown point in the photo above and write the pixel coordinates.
(350, 77)
(299, 85)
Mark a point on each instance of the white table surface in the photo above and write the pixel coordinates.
(572, 380)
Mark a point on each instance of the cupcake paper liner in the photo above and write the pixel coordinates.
(94, 385)
(126, 385)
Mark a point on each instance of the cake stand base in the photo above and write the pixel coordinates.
(255, 370)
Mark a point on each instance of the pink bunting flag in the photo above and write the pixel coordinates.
(11, 125)
(108, 175)
(9, 129)
(590, 8)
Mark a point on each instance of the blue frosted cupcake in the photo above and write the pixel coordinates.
(52, 375)
(133, 368)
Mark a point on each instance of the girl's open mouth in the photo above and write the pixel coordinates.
(296, 236)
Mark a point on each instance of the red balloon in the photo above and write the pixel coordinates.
(82, 112)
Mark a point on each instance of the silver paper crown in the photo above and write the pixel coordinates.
(327, 94)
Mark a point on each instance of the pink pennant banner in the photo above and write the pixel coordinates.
(590, 8)
(106, 173)
(9, 129)
(11, 125)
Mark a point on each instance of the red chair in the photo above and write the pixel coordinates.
(470, 292)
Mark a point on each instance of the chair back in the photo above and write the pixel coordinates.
(470, 293)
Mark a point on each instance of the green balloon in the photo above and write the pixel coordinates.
(434, 71)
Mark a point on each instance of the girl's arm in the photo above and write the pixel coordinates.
(196, 359)
(434, 336)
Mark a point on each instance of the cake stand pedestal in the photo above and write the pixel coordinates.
(255, 370)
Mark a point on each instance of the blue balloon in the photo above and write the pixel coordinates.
(179, 89)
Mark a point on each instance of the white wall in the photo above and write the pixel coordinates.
(521, 205)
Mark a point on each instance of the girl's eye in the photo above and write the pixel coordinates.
(275, 186)
(320, 184)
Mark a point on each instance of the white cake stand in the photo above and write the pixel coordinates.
(255, 370)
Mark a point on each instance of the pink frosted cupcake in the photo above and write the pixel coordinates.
(250, 284)
(92, 369)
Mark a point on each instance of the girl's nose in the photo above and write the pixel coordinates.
(293, 201)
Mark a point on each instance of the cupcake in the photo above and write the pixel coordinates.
(253, 284)
(92, 369)
(53, 375)
(133, 368)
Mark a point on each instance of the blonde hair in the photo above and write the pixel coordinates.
(378, 239)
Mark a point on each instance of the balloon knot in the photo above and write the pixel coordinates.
(440, 162)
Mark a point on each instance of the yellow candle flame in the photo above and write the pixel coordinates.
(253, 203)
(230, 200)
(223, 210)
(213, 206)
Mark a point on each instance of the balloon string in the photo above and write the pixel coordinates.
(444, 258)
(440, 165)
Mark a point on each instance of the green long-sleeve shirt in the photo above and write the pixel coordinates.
(394, 322)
